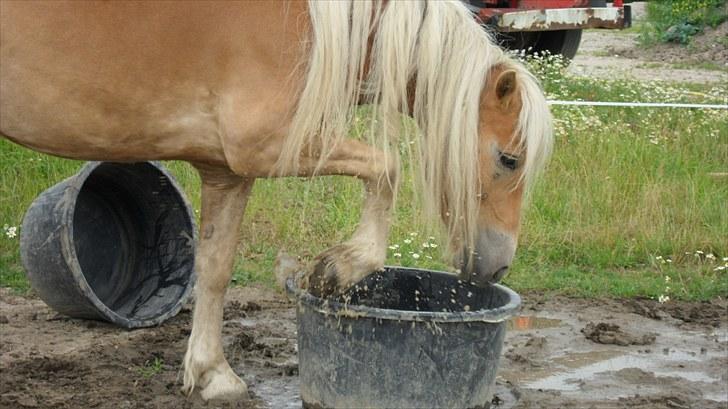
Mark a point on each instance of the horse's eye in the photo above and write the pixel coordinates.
(508, 161)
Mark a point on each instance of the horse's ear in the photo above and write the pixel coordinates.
(505, 86)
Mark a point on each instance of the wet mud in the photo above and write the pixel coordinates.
(604, 333)
(579, 353)
(50, 361)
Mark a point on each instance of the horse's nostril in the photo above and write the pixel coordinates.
(500, 273)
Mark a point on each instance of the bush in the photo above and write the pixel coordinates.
(676, 21)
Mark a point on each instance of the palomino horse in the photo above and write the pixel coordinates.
(245, 90)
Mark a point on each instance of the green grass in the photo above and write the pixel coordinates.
(627, 189)
(689, 65)
(704, 65)
(723, 41)
(150, 368)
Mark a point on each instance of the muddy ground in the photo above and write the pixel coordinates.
(559, 353)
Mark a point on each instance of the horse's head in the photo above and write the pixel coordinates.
(514, 138)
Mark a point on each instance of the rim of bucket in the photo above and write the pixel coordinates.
(69, 249)
(330, 307)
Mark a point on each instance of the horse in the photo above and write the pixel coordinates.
(247, 90)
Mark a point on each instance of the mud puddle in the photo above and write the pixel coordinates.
(608, 373)
(525, 323)
(582, 368)
(278, 393)
(549, 361)
(47, 361)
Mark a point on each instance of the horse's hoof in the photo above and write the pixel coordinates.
(224, 386)
(323, 281)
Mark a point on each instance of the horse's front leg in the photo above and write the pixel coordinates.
(224, 196)
(339, 267)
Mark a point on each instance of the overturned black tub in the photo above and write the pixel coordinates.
(114, 242)
(402, 338)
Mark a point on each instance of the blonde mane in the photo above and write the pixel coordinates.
(438, 47)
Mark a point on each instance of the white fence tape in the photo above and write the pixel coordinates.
(637, 104)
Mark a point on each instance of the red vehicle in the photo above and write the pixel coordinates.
(548, 25)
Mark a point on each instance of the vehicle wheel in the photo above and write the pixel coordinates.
(563, 42)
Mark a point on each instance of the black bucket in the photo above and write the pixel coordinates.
(114, 242)
(402, 338)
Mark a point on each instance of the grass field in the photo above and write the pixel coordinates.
(630, 205)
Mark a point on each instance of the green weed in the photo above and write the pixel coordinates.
(677, 21)
(150, 368)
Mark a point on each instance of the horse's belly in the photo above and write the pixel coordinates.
(75, 129)
(52, 114)
(106, 81)
(137, 81)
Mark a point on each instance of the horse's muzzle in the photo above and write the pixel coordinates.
(491, 259)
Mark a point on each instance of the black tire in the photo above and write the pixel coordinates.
(562, 42)
(559, 42)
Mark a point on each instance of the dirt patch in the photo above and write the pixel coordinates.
(708, 46)
(604, 333)
(49, 361)
(699, 313)
(617, 54)
(87, 364)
